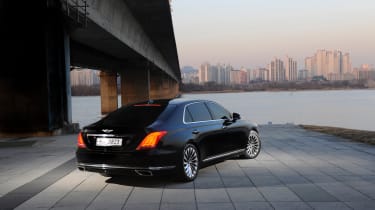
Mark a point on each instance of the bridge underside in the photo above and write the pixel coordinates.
(39, 51)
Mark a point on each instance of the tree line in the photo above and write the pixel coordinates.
(94, 90)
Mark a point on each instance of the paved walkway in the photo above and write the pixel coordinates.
(296, 169)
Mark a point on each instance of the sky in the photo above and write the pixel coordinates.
(250, 33)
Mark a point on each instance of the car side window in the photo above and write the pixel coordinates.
(217, 111)
(199, 112)
(187, 116)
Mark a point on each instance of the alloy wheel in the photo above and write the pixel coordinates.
(253, 145)
(190, 162)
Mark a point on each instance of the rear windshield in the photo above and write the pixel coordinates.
(139, 115)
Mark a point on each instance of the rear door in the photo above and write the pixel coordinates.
(204, 128)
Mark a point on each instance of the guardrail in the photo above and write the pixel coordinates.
(76, 10)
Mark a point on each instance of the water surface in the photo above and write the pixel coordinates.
(341, 108)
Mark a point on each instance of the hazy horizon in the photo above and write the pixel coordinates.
(249, 34)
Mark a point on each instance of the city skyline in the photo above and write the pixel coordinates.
(247, 33)
(332, 65)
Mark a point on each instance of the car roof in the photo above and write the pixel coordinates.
(185, 101)
(175, 101)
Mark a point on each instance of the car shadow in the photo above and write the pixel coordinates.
(140, 181)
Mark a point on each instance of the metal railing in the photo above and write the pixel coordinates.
(76, 10)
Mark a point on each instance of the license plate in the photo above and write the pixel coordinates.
(108, 142)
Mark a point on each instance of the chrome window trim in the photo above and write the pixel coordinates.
(187, 123)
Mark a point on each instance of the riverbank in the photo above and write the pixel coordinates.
(270, 90)
(351, 134)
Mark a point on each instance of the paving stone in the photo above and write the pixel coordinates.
(178, 196)
(50, 196)
(256, 171)
(208, 182)
(295, 170)
(329, 206)
(142, 195)
(180, 185)
(209, 171)
(360, 185)
(290, 206)
(265, 181)
(143, 206)
(111, 197)
(311, 192)
(211, 195)
(343, 192)
(215, 206)
(364, 205)
(246, 194)
(178, 206)
(278, 194)
(243, 181)
(253, 205)
(292, 180)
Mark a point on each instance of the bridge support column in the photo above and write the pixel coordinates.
(134, 86)
(108, 92)
(34, 76)
(162, 86)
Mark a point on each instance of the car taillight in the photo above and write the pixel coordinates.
(151, 140)
(80, 143)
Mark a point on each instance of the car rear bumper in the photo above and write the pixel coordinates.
(117, 169)
(144, 164)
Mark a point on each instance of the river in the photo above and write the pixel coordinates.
(340, 108)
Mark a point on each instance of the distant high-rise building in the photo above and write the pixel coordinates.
(277, 70)
(250, 75)
(223, 74)
(321, 63)
(367, 67)
(310, 65)
(212, 75)
(228, 69)
(334, 70)
(238, 77)
(189, 75)
(203, 72)
(260, 74)
(331, 64)
(346, 63)
(291, 73)
(303, 74)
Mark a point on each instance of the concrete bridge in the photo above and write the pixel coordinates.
(42, 41)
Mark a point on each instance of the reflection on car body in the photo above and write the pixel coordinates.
(165, 136)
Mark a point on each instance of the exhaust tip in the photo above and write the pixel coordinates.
(143, 172)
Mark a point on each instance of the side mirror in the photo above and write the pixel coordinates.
(236, 116)
(226, 121)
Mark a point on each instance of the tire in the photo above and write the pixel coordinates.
(253, 146)
(188, 168)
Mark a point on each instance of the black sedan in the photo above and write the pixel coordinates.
(165, 136)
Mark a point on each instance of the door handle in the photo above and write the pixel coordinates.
(224, 126)
(195, 132)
